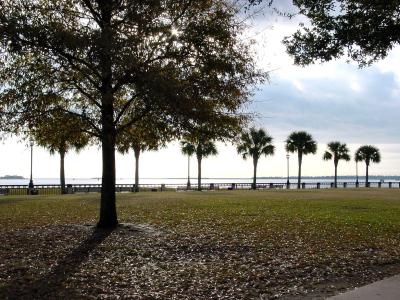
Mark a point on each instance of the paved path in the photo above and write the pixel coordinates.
(387, 289)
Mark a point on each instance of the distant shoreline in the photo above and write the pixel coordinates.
(12, 177)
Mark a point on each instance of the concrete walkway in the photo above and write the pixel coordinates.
(387, 289)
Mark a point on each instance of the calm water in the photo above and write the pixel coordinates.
(182, 181)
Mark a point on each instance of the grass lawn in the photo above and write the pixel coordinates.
(199, 245)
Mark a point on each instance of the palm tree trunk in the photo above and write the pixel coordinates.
(62, 173)
(300, 157)
(188, 182)
(366, 176)
(336, 164)
(136, 150)
(199, 173)
(254, 185)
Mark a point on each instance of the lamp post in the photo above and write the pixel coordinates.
(188, 182)
(31, 186)
(357, 174)
(287, 158)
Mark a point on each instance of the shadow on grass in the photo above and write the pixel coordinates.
(51, 286)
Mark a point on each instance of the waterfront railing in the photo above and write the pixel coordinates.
(53, 189)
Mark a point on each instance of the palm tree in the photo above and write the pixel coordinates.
(139, 139)
(302, 143)
(255, 143)
(59, 132)
(138, 147)
(202, 149)
(336, 151)
(368, 154)
(188, 149)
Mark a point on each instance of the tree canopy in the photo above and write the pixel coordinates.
(59, 132)
(182, 56)
(187, 148)
(302, 142)
(364, 31)
(255, 143)
(149, 133)
(368, 154)
(337, 151)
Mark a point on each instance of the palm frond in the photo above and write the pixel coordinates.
(368, 153)
(327, 156)
(187, 148)
(301, 141)
(254, 143)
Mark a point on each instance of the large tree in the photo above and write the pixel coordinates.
(336, 151)
(59, 133)
(367, 154)
(255, 143)
(302, 143)
(115, 61)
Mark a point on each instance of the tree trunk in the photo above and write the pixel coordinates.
(199, 173)
(254, 185)
(62, 173)
(300, 157)
(366, 175)
(137, 154)
(336, 164)
(188, 182)
(108, 211)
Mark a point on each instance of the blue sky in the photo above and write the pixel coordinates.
(332, 101)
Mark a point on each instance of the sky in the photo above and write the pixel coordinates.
(332, 101)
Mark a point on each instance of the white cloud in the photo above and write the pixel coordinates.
(355, 86)
(298, 85)
(390, 63)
